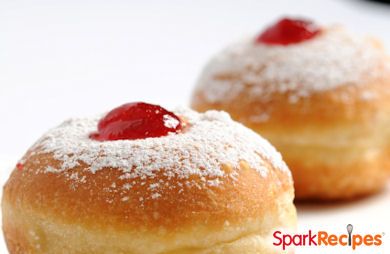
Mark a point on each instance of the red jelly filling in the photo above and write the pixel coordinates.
(137, 120)
(288, 31)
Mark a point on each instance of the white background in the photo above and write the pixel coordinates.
(67, 58)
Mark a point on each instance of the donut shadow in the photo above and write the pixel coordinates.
(317, 205)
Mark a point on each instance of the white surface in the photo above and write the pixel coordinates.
(76, 57)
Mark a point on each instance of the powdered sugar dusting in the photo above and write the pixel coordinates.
(329, 60)
(211, 139)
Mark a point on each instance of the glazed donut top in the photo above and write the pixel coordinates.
(330, 59)
(209, 140)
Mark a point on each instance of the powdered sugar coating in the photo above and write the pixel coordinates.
(211, 139)
(331, 59)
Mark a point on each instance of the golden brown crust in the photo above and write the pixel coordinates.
(344, 104)
(51, 207)
(337, 172)
(53, 193)
(339, 118)
(340, 182)
(41, 234)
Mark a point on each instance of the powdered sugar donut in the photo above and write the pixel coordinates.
(146, 180)
(320, 95)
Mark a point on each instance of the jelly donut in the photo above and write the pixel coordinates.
(320, 95)
(146, 180)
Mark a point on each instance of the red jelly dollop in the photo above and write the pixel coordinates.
(137, 120)
(19, 166)
(288, 31)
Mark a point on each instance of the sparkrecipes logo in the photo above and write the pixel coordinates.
(324, 238)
